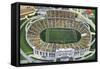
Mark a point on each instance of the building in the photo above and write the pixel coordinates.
(26, 11)
(52, 51)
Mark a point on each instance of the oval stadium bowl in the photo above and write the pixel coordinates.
(59, 36)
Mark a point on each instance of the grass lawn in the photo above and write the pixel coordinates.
(23, 43)
(22, 21)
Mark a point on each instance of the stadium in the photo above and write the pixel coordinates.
(55, 34)
(59, 35)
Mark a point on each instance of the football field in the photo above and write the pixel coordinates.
(60, 35)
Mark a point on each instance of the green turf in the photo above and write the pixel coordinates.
(93, 57)
(60, 35)
(21, 57)
(23, 43)
(22, 21)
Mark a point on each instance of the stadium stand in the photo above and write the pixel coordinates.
(58, 19)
